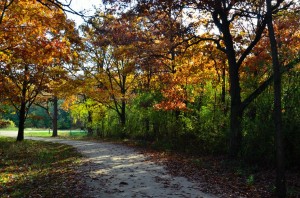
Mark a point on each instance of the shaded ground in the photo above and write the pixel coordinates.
(113, 170)
(39, 169)
(226, 179)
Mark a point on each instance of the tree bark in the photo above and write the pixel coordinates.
(147, 128)
(90, 122)
(22, 110)
(280, 169)
(123, 113)
(223, 94)
(22, 118)
(236, 111)
(55, 116)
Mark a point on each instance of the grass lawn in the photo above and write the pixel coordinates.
(70, 134)
(38, 169)
(74, 134)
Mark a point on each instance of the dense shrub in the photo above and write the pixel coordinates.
(6, 124)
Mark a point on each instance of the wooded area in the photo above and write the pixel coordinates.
(200, 77)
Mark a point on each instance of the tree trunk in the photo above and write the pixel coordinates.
(123, 113)
(280, 169)
(55, 116)
(236, 112)
(22, 110)
(147, 128)
(89, 125)
(223, 94)
(236, 137)
(22, 118)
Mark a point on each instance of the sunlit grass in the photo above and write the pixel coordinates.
(38, 169)
(9, 129)
(76, 134)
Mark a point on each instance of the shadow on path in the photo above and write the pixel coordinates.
(114, 170)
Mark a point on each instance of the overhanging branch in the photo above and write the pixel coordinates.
(268, 82)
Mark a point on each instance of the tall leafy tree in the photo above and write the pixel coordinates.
(30, 47)
(228, 17)
(110, 48)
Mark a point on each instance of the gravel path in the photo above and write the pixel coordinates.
(114, 171)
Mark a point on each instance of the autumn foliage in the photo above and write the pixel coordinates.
(194, 76)
(34, 41)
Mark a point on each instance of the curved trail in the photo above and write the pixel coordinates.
(115, 171)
